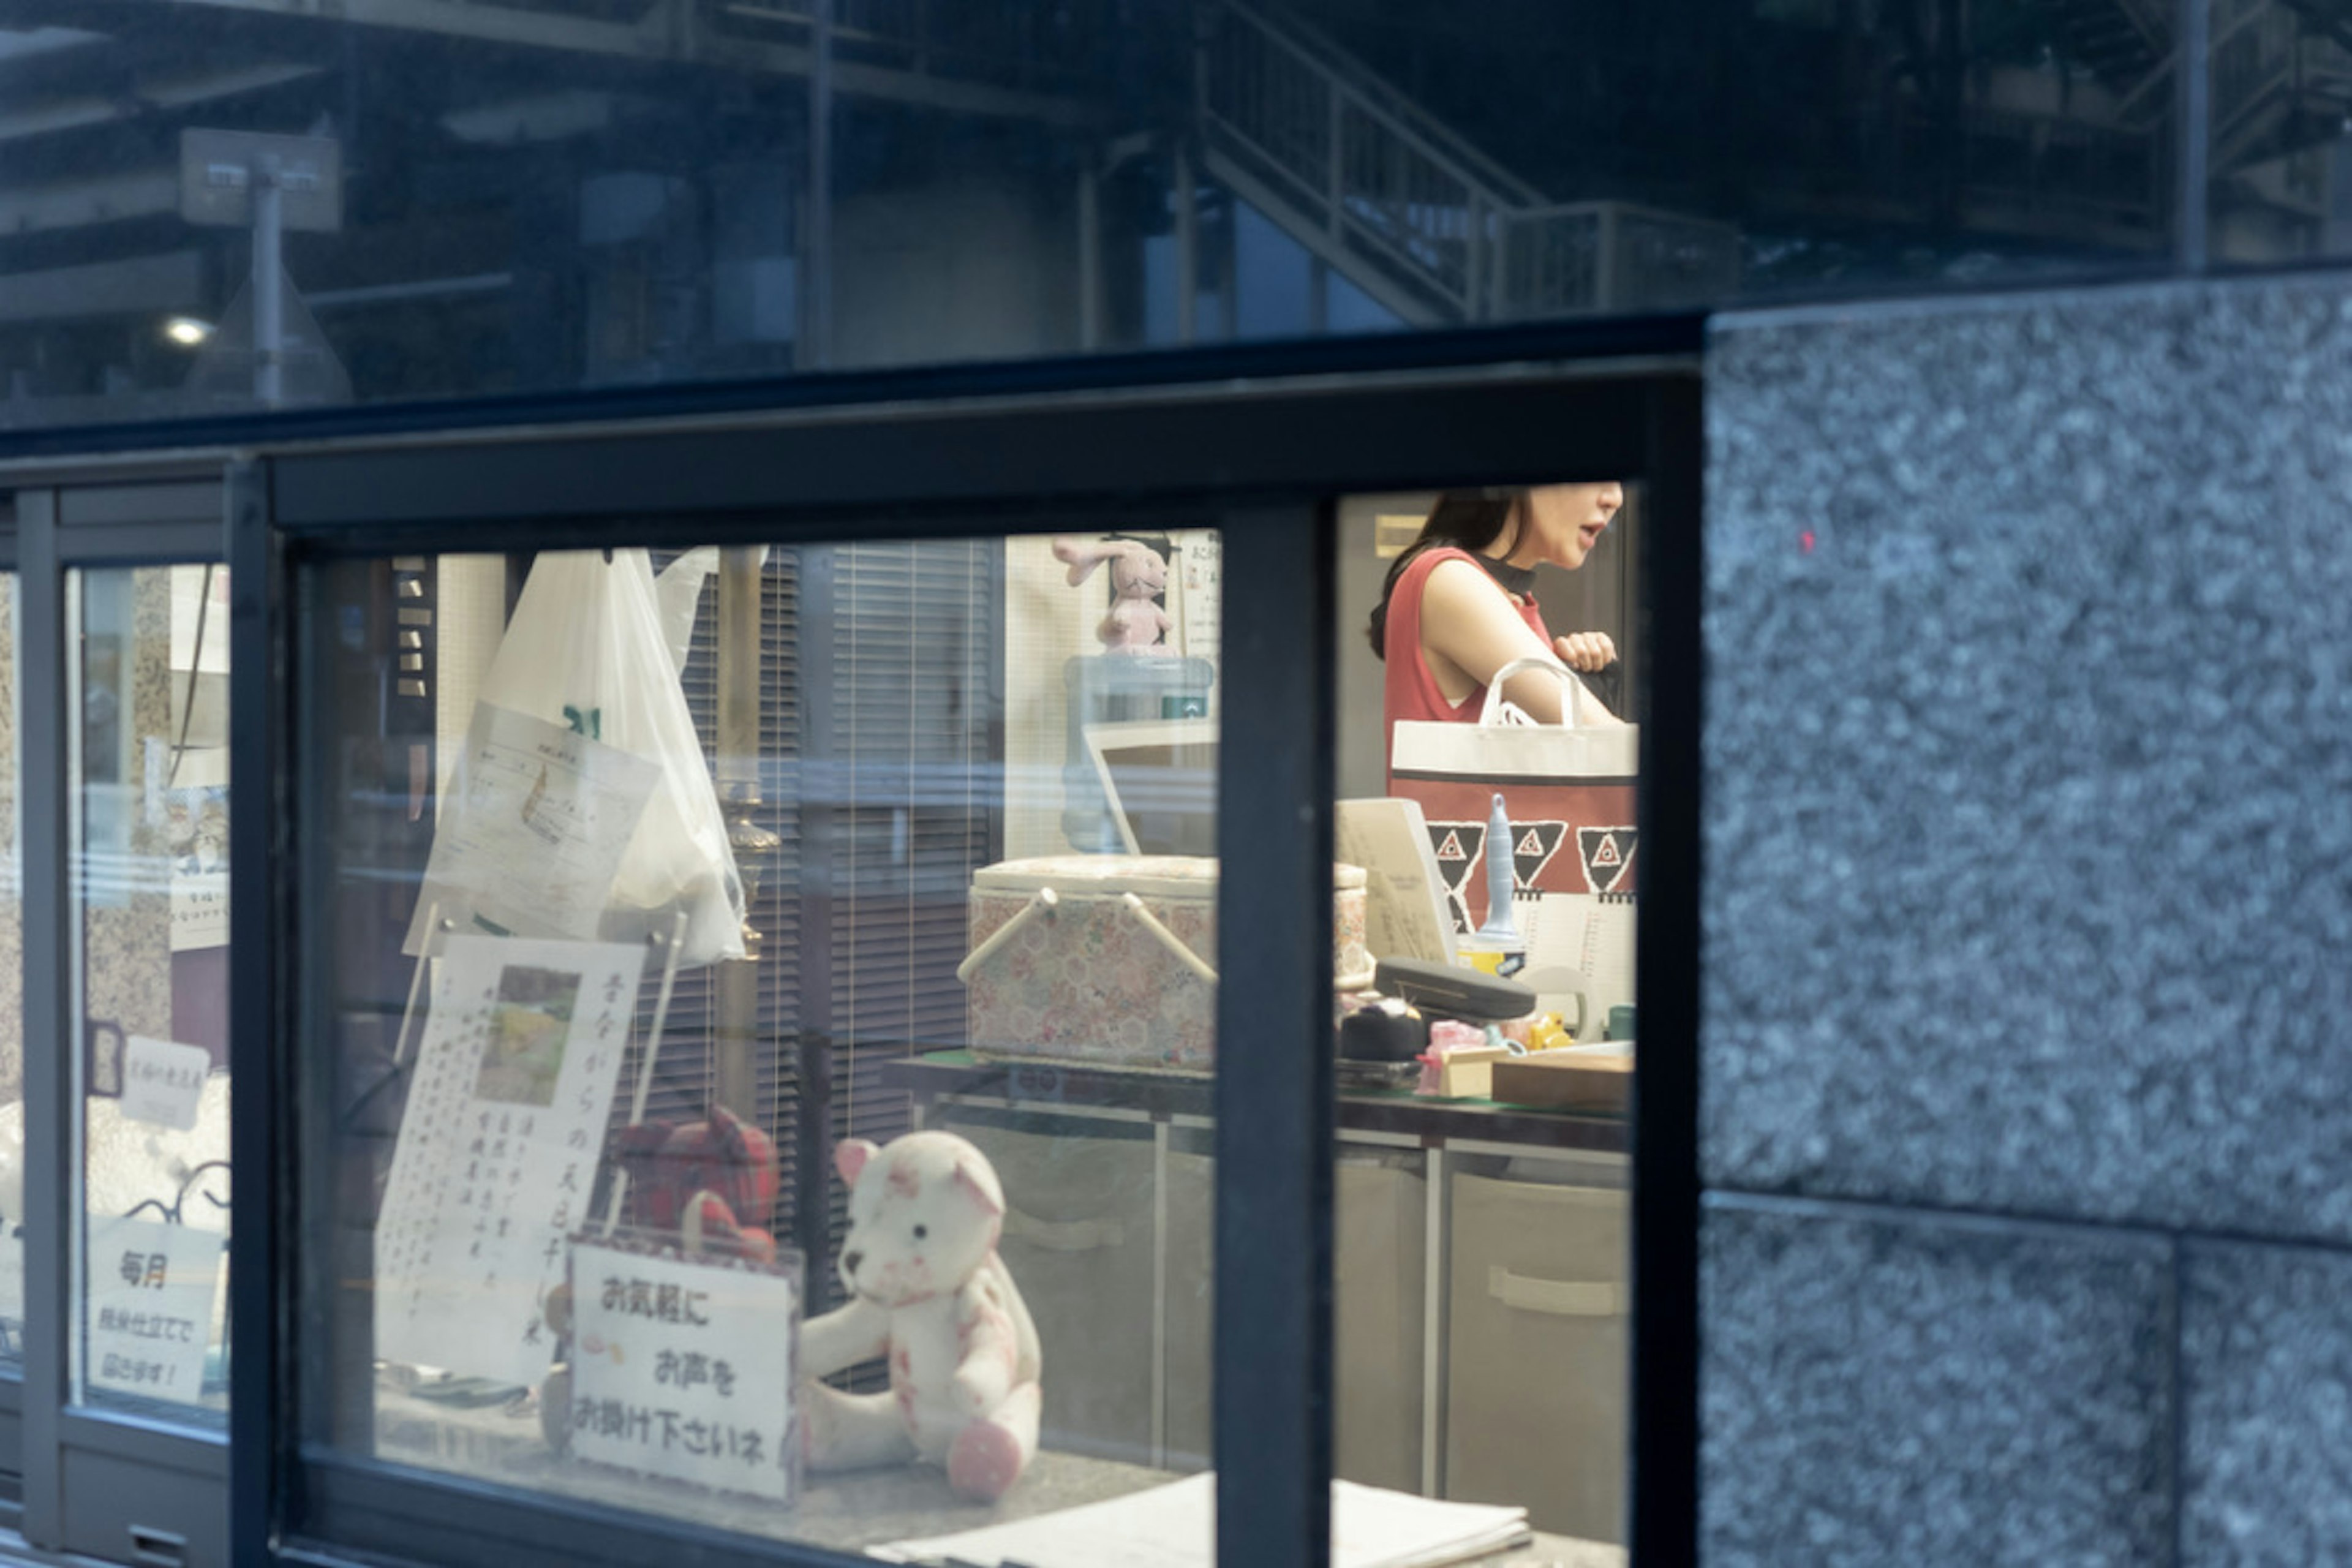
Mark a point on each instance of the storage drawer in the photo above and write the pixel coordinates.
(1192, 1297)
(1380, 1266)
(1078, 1241)
(1379, 1263)
(1537, 1347)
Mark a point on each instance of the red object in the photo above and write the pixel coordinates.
(1412, 691)
(724, 1163)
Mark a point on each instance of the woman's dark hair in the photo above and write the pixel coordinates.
(1465, 520)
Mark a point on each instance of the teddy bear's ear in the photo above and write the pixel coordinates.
(849, 1157)
(977, 1190)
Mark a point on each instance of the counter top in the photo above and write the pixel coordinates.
(847, 1512)
(1046, 1086)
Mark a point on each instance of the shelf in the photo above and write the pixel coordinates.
(1055, 1086)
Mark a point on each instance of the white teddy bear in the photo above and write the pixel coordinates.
(928, 1291)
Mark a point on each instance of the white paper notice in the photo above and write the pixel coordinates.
(1201, 559)
(164, 1081)
(1404, 905)
(189, 802)
(684, 1369)
(12, 1285)
(533, 834)
(152, 1286)
(1172, 1526)
(499, 1149)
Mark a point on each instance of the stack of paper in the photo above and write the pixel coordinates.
(1172, 1526)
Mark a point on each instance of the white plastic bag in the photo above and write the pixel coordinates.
(580, 744)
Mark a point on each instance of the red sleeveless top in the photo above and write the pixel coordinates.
(1411, 690)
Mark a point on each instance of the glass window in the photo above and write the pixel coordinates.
(148, 775)
(762, 1020)
(12, 997)
(1487, 768)
(2281, 158)
(220, 208)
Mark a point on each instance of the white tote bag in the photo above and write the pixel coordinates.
(581, 807)
(1560, 850)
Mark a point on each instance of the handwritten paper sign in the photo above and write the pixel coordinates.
(163, 1081)
(12, 1284)
(533, 832)
(682, 1367)
(499, 1149)
(152, 1286)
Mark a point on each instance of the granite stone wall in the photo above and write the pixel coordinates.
(2027, 1015)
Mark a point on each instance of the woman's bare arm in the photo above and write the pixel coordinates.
(1470, 630)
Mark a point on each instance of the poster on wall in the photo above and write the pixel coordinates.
(532, 841)
(682, 1367)
(1200, 597)
(499, 1149)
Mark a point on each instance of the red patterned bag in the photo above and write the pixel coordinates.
(1568, 820)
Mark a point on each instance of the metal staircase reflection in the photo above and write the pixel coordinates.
(2127, 44)
(2281, 77)
(1406, 208)
(2281, 69)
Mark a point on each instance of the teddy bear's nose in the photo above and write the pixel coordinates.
(850, 1260)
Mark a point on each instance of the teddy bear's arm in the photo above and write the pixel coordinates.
(843, 1337)
(989, 1348)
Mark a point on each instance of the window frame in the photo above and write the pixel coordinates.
(95, 516)
(1269, 460)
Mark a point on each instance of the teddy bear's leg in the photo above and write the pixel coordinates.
(990, 1455)
(851, 1431)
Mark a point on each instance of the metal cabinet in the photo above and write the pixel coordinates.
(1479, 1267)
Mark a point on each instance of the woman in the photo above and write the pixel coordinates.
(1460, 604)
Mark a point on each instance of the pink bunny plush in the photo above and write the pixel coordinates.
(928, 1293)
(1138, 577)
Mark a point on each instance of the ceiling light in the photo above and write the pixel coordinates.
(186, 331)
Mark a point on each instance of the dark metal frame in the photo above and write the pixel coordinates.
(1263, 461)
(96, 518)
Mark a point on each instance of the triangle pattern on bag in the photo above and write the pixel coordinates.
(1533, 844)
(1608, 856)
(1457, 844)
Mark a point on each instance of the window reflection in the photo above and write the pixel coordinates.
(148, 782)
(765, 189)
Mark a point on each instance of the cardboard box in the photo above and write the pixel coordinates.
(1566, 1081)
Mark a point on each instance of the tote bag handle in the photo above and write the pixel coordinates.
(1499, 712)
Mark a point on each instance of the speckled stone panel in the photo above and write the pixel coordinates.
(2029, 755)
(2266, 1390)
(1887, 1390)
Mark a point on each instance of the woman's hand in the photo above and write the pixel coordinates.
(1585, 652)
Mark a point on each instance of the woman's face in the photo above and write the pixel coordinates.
(1562, 523)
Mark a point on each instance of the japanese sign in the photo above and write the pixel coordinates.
(163, 1081)
(12, 1282)
(682, 1367)
(538, 819)
(499, 1149)
(149, 1302)
(217, 174)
